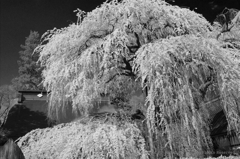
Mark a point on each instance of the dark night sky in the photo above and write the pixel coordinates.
(18, 17)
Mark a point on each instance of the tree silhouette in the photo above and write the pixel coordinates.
(29, 71)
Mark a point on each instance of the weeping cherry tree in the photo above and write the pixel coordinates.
(172, 53)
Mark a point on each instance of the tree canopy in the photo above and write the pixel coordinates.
(7, 93)
(115, 31)
(29, 71)
(171, 52)
(7, 100)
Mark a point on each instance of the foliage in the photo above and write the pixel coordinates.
(3, 136)
(80, 60)
(172, 52)
(7, 93)
(226, 27)
(173, 69)
(94, 139)
(221, 157)
(29, 77)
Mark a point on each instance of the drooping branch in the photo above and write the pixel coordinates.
(125, 71)
(132, 49)
(204, 87)
(127, 67)
(227, 19)
(119, 74)
(110, 79)
(99, 34)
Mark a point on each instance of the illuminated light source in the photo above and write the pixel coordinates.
(40, 95)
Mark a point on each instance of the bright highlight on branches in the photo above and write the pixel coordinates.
(172, 52)
(96, 139)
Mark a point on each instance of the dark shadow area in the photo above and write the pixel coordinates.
(224, 142)
(10, 150)
(22, 120)
(219, 124)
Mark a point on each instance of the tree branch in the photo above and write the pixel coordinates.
(118, 74)
(111, 78)
(203, 87)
